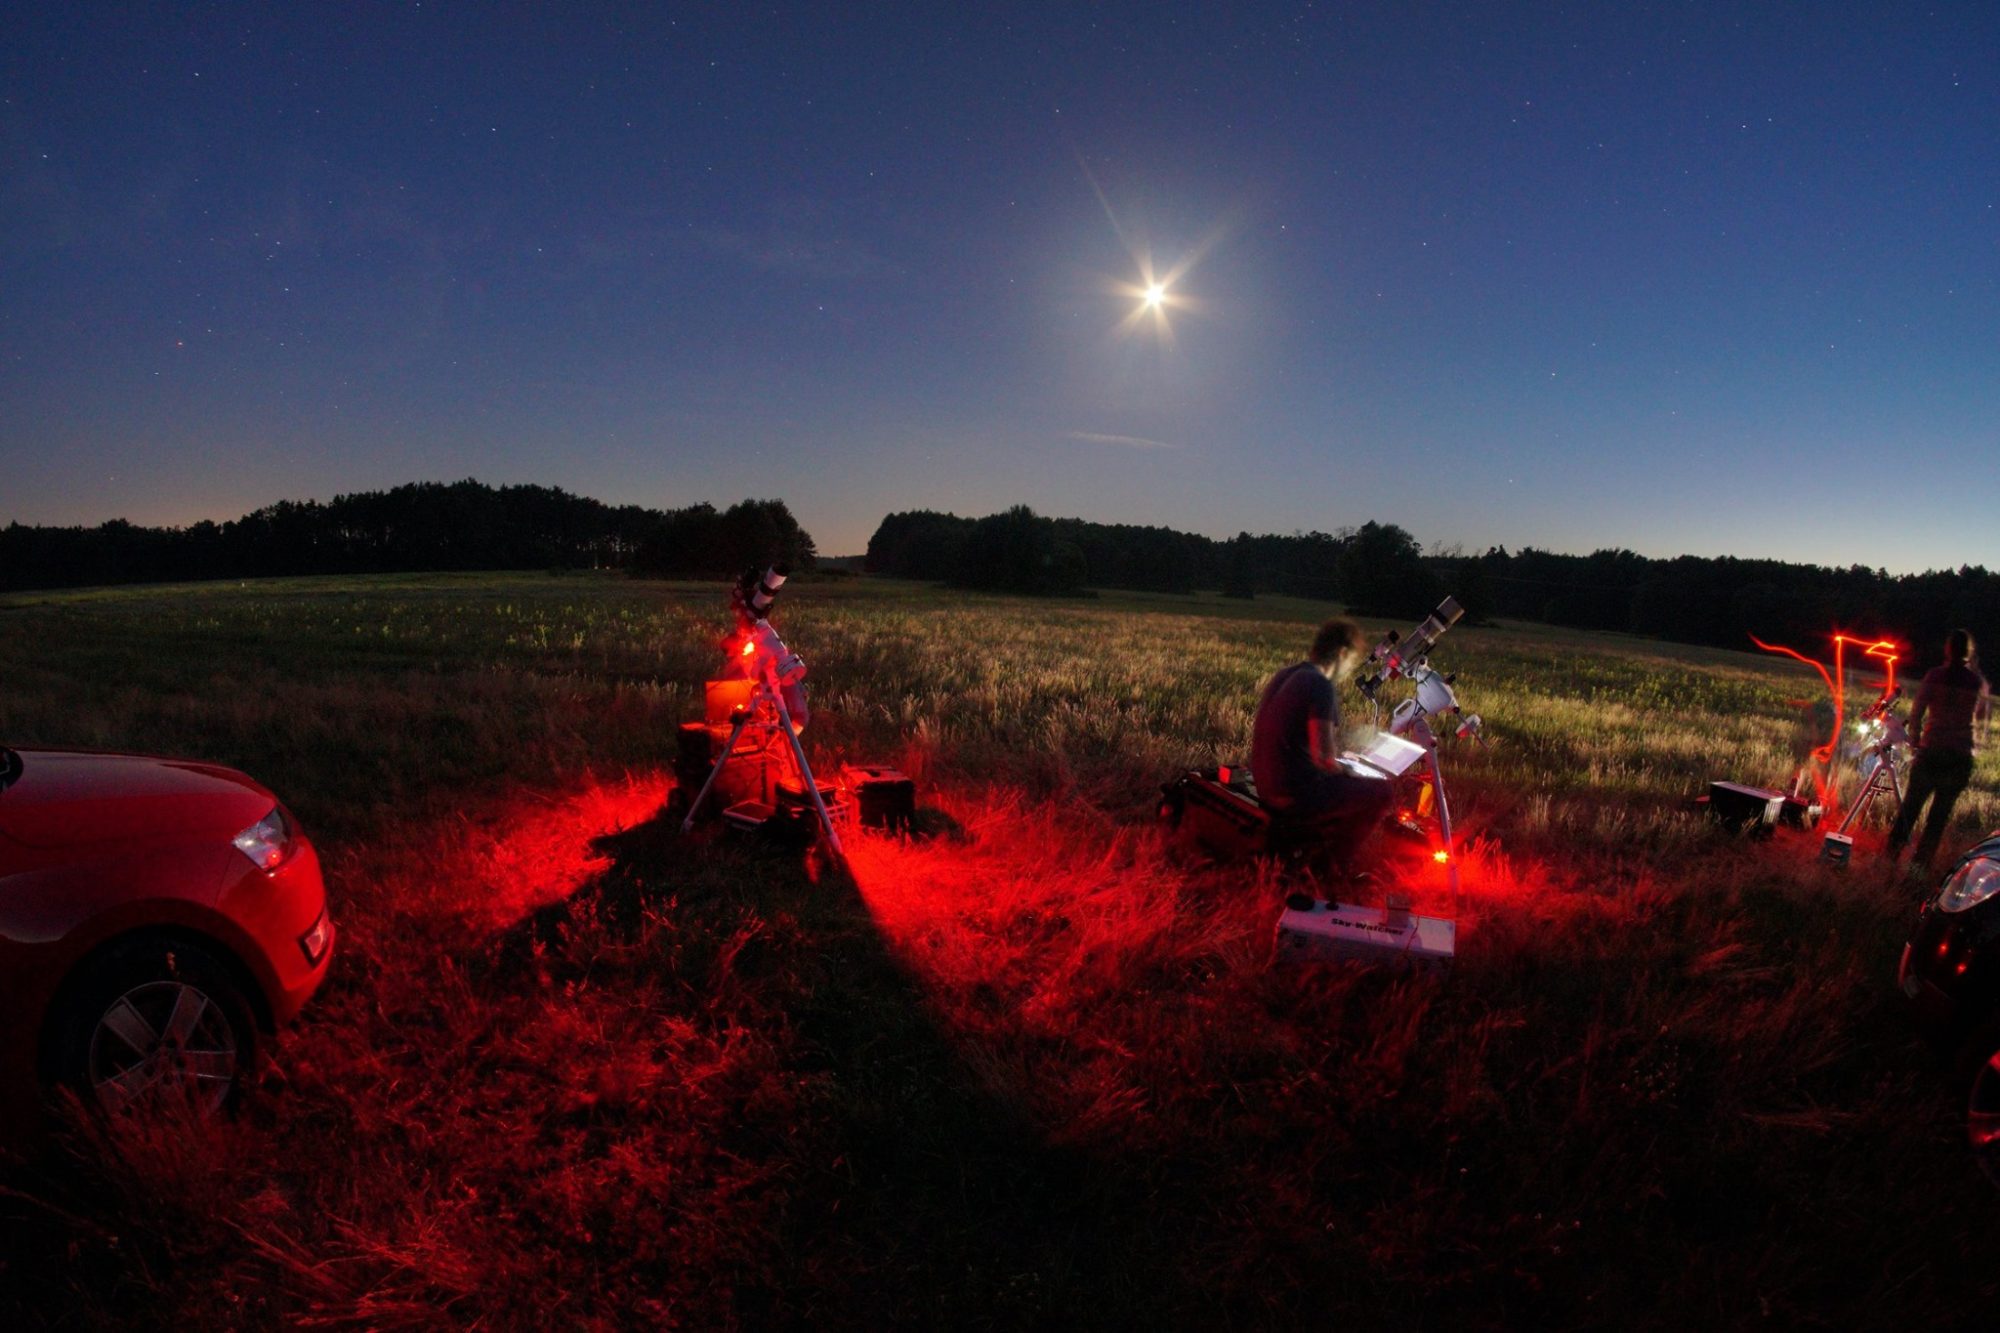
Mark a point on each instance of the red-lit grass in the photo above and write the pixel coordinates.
(1032, 1070)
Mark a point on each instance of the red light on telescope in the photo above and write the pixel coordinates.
(1440, 856)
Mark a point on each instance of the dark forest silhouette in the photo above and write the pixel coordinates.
(465, 525)
(1377, 569)
(1380, 569)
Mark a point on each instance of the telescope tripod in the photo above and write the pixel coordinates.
(1417, 727)
(1839, 844)
(767, 699)
(1411, 719)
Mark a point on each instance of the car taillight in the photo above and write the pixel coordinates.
(1972, 884)
(267, 842)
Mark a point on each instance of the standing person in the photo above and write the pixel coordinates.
(1295, 745)
(1950, 695)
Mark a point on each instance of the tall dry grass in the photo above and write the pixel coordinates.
(574, 1070)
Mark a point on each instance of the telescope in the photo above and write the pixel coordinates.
(777, 699)
(1395, 654)
(754, 594)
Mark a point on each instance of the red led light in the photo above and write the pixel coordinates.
(1885, 651)
(1825, 752)
(1888, 652)
(749, 647)
(1440, 856)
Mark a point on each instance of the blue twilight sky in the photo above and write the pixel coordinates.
(1695, 277)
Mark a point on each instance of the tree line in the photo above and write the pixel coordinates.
(1380, 569)
(1377, 569)
(464, 525)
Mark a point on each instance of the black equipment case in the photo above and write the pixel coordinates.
(885, 797)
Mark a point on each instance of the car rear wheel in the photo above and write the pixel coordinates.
(156, 1027)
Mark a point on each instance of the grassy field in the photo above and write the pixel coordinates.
(572, 1070)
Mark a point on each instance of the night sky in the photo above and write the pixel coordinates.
(1713, 278)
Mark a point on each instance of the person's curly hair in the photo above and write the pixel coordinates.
(1336, 636)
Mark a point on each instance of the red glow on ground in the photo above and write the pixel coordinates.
(534, 850)
(1034, 915)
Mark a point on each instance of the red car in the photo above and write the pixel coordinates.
(156, 916)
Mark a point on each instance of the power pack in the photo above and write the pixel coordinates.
(1330, 932)
(1743, 808)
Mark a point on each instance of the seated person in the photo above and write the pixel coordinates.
(1295, 747)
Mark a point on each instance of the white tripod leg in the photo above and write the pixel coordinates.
(736, 729)
(805, 769)
(1444, 825)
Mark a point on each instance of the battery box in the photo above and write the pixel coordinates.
(1742, 808)
(790, 822)
(795, 802)
(1328, 932)
(761, 761)
(884, 797)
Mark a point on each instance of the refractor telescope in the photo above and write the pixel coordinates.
(1397, 653)
(757, 651)
(754, 594)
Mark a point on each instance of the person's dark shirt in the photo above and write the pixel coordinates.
(1281, 756)
(1950, 695)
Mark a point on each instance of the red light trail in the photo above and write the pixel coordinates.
(1886, 651)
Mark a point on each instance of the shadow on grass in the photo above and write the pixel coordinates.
(1626, 1118)
(916, 1188)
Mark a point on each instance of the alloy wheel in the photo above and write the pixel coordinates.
(161, 1042)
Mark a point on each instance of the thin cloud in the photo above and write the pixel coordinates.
(799, 241)
(1128, 441)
